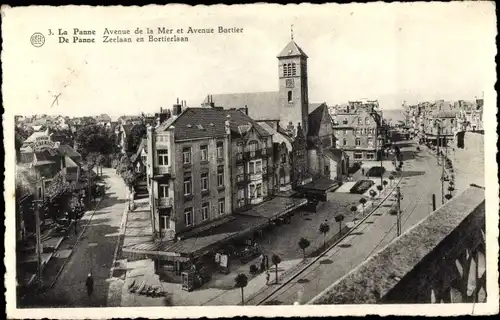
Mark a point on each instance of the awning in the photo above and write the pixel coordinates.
(320, 185)
(203, 242)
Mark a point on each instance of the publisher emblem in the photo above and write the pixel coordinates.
(37, 39)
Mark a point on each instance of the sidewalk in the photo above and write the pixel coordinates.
(63, 248)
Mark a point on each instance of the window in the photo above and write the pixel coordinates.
(345, 131)
(259, 190)
(163, 157)
(344, 121)
(204, 181)
(367, 120)
(252, 191)
(222, 206)
(188, 217)
(370, 156)
(163, 222)
(220, 150)
(204, 211)
(39, 192)
(204, 153)
(294, 70)
(344, 142)
(327, 170)
(163, 190)
(370, 142)
(241, 194)
(186, 155)
(241, 170)
(255, 167)
(283, 157)
(290, 96)
(360, 121)
(220, 176)
(285, 70)
(358, 142)
(358, 155)
(161, 138)
(187, 186)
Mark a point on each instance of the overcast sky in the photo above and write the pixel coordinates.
(388, 52)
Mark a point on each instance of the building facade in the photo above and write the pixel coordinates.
(203, 164)
(357, 130)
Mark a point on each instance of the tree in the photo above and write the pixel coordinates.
(379, 187)
(451, 189)
(95, 138)
(373, 194)
(275, 259)
(241, 281)
(339, 218)
(448, 196)
(354, 209)
(304, 244)
(324, 228)
(129, 177)
(385, 183)
(363, 202)
(137, 133)
(100, 161)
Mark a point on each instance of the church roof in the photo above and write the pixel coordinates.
(278, 137)
(261, 105)
(292, 50)
(315, 118)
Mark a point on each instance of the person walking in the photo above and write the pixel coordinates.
(89, 284)
(266, 261)
(268, 276)
(363, 171)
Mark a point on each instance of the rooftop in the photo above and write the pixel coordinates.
(196, 123)
(261, 105)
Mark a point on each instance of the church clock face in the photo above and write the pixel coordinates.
(289, 83)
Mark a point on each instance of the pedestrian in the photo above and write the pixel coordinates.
(89, 284)
(363, 171)
(268, 276)
(266, 259)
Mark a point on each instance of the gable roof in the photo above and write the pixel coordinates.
(277, 136)
(127, 128)
(261, 105)
(142, 146)
(333, 153)
(315, 119)
(292, 50)
(196, 123)
(66, 150)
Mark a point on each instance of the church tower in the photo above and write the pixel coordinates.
(293, 89)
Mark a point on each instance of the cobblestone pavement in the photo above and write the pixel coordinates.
(94, 253)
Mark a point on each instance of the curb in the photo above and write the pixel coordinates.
(76, 243)
(327, 250)
(121, 236)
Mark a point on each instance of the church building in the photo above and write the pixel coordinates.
(300, 150)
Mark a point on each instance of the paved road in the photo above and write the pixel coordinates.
(94, 253)
(421, 179)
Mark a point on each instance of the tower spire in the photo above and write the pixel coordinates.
(291, 32)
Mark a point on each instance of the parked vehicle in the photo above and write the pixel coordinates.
(361, 186)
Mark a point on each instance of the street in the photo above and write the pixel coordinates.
(94, 252)
(420, 181)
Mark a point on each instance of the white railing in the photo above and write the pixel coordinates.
(255, 176)
(165, 202)
(164, 169)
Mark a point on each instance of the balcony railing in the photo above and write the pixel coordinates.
(163, 170)
(165, 202)
(439, 260)
(255, 176)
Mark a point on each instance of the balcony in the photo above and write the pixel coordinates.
(162, 171)
(255, 176)
(254, 154)
(439, 260)
(285, 187)
(241, 179)
(164, 202)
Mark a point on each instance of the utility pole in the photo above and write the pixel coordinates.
(398, 195)
(442, 181)
(39, 248)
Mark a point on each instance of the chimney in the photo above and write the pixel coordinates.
(177, 108)
(211, 101)
(246, 110)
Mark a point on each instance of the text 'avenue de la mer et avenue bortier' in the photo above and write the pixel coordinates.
(158, 34)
